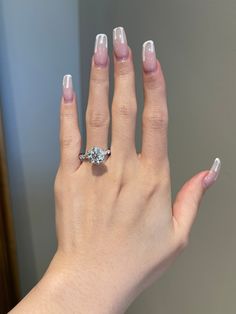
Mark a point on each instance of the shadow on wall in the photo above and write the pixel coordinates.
(16, 178)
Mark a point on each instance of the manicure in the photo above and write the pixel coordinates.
(149, 56)
(213, 173)
(100, 50)
(67, 85)
(120, 43)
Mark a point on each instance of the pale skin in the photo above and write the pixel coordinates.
(118, 228)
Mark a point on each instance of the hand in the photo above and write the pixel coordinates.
(117, 220)
(117, 228)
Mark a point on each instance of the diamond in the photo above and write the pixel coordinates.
(96, 155)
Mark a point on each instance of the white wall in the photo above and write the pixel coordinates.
(39, 44)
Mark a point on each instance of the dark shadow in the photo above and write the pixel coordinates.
(25, 252)
(99, 170)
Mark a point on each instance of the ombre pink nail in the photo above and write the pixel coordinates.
(120, 43)
(149, 56)
(213, 173)
(100, 50)
(67, 85)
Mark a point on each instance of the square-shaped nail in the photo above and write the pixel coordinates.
(67, 86)
(100, 50)
(149, 56)
(120, 43)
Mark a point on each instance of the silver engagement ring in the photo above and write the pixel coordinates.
(95, 155)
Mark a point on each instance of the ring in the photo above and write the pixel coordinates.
(95, 155)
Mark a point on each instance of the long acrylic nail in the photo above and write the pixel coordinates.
(120, 43)
(149, 56)
(100, 50)
(213, 173)
(68, 92)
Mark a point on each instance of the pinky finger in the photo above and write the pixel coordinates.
(188, 198)
(70, 138)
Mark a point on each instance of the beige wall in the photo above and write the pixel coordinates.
(196, 44)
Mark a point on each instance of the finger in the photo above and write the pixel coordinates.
(124, 106)
(70, 138)
(189, 197)
(97, 114)
(155, 114)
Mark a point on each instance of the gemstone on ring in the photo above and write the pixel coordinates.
(96, 155)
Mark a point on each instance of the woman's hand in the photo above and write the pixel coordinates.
(117, 228)
(115, 221)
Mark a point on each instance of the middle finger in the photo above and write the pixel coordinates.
(124, 105)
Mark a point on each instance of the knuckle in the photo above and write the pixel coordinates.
(98, 79)
(98, 119)
(70, 141)
(124, 69)
(156, 120)
(125, 110)
(153, 81)
(69, 115)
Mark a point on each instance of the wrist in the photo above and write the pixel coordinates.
(81, 289)
(63, 289)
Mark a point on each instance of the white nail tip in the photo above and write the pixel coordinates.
(118, 29)
(148, 46)
(67, 81)
(101, 40)
(119, 34)
(216, 165)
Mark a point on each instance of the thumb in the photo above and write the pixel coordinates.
(189, 197)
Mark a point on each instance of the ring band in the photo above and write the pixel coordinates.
(96, 155)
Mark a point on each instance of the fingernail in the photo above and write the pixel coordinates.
(67, 85)
(149, 56)
(100, 50)
(213, 173)
(120, 43)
